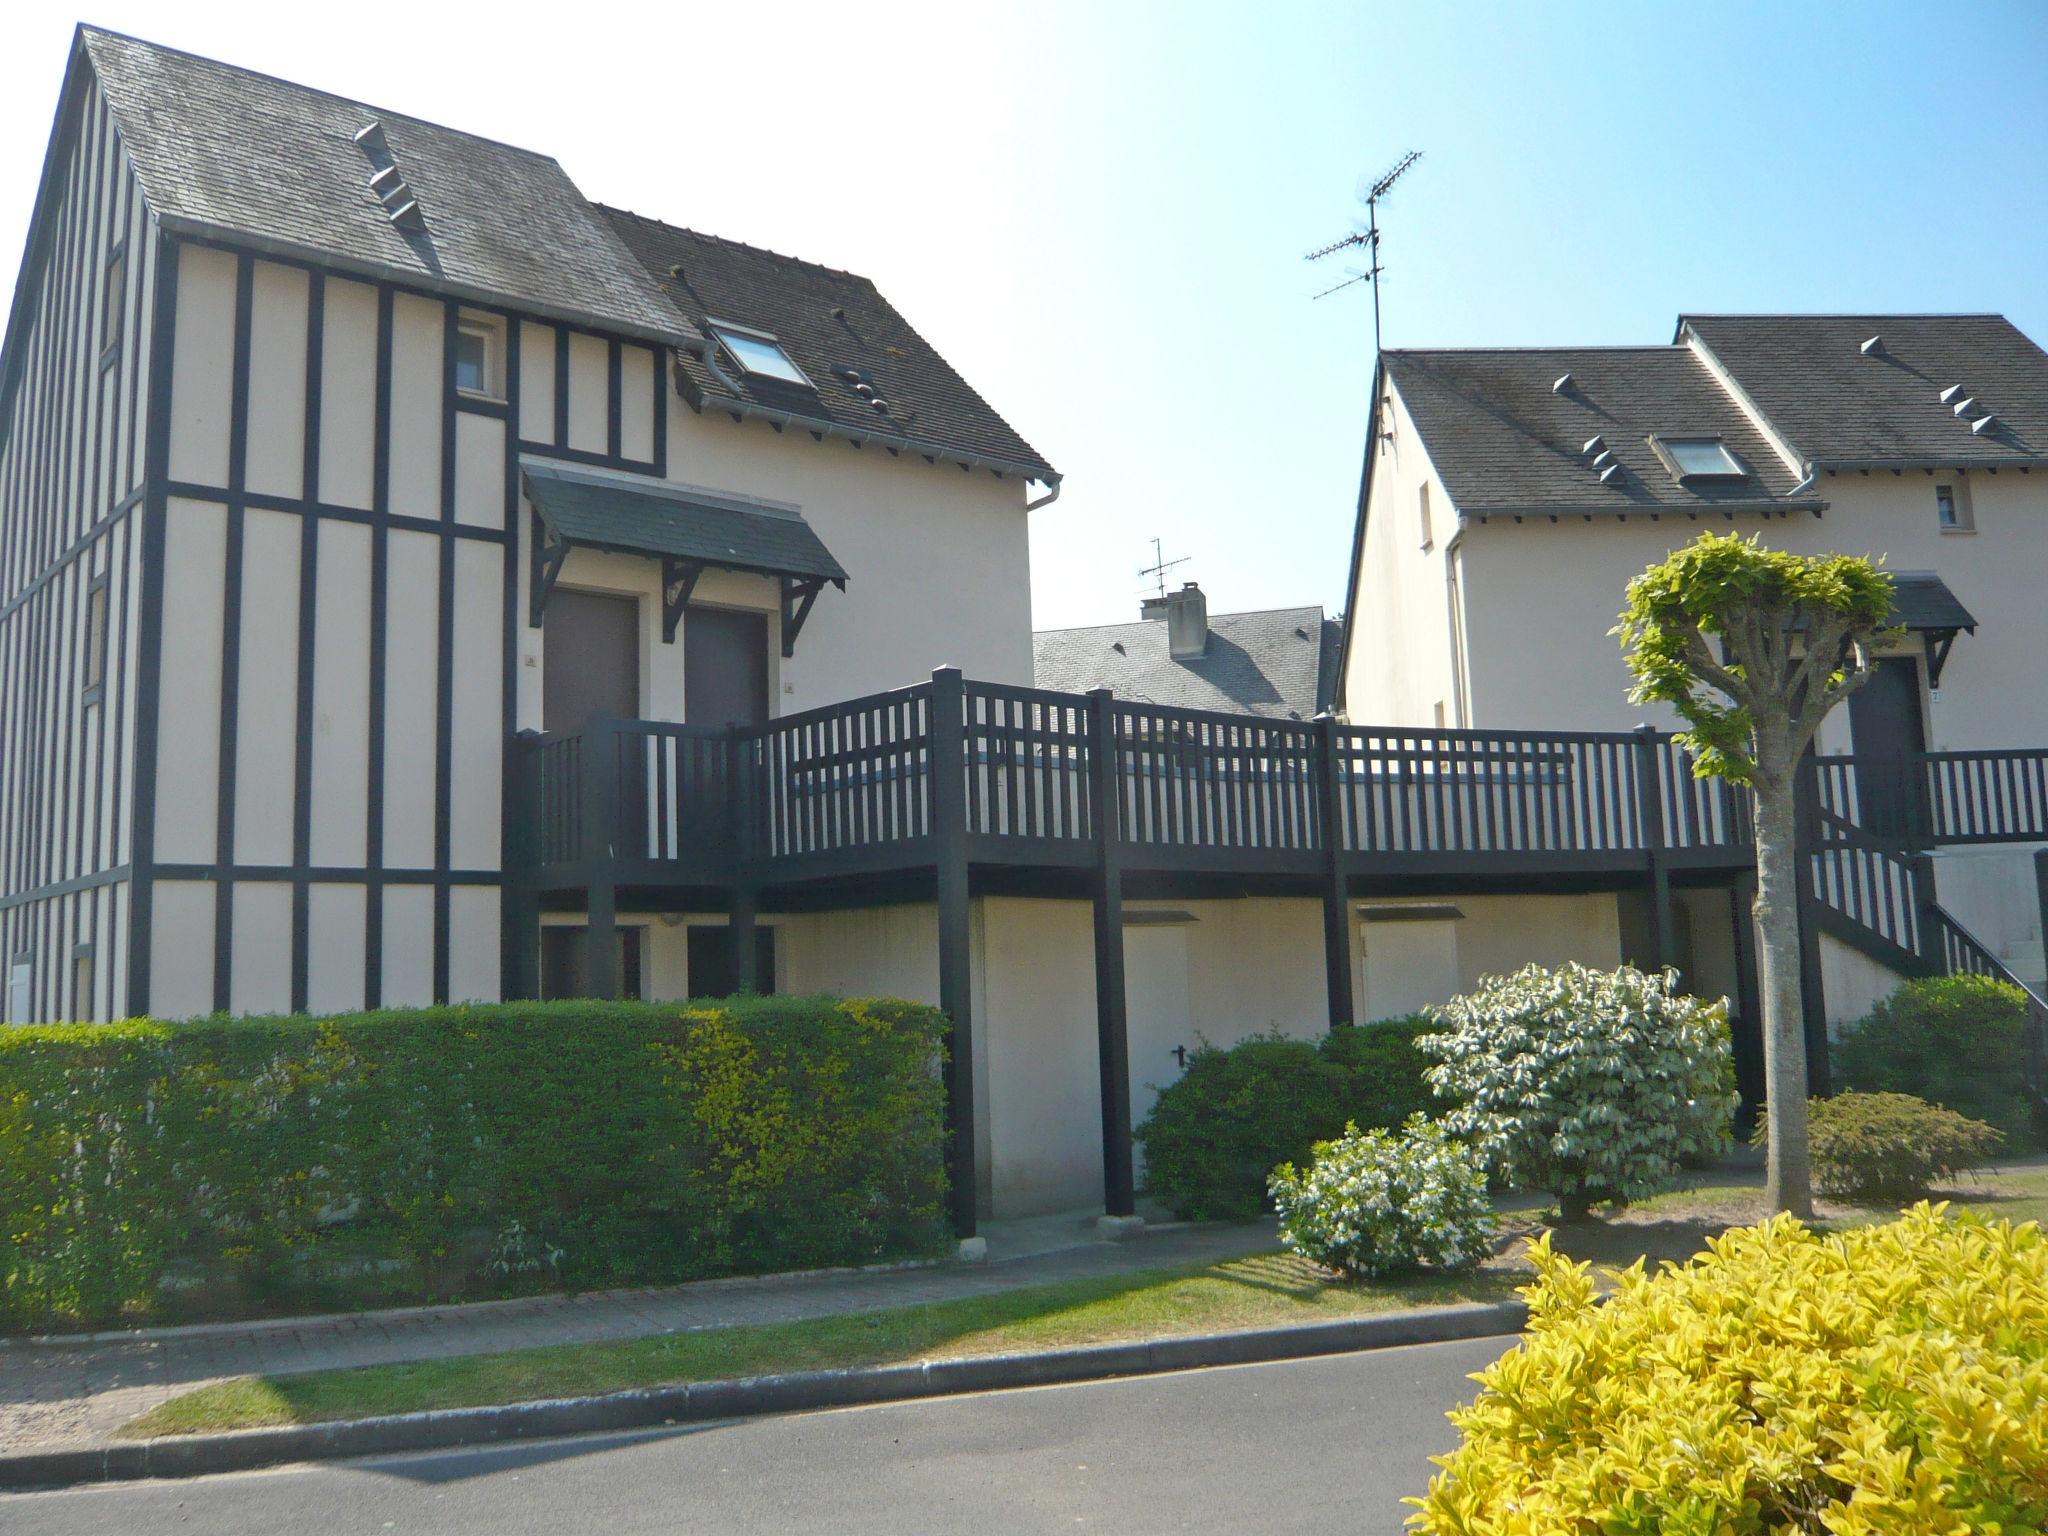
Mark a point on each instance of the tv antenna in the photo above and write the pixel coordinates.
(1160, 566)
(1368, 239)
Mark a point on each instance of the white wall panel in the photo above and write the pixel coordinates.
(202, 366)
(181, 949)
(589, 392)
(266, 722)
(262, 980)
(277, 380)
(341, 695)
(477, 721)
(479, 470)
(188, 704)
(335, 947)
(636, 403)
(413, 628)
(537, 382)
(473, 943)
(408, 946)
(416, 405)
(348, 393)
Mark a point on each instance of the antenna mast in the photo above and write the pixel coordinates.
(1369, 239)
(1160, 566)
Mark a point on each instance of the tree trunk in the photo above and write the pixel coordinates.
(1789, 1183)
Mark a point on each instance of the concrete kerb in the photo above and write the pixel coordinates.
(653, 1407)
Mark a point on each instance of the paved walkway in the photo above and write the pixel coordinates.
(57, 1393)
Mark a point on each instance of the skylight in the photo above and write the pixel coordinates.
(759, 354)
(1702, 458)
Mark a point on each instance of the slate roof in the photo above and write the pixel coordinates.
(1810, 379)
(827, 321)
(1280, 663)
(649, 517)
(1502, 441)
(245, 155)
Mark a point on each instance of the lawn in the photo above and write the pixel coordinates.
(1261, 1291)
(1264, 1290)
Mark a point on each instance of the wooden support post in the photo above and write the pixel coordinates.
(1749, 1036)
(1112, 1022)
(598, 831)
(2037, 1030)
(948, 792)
(1329, 770)
(1926, 909)
(1650, 818)
(1812, 992)
(742, 906)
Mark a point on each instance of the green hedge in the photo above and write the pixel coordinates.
(1956, 1041)
(228, 1167)
(1219, 1130)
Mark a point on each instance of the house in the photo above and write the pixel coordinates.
(1278, 662)
(1509, 494)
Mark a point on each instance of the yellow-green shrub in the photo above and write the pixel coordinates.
(1890, 1379)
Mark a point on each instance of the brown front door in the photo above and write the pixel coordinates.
(592, 640)
(725, 667)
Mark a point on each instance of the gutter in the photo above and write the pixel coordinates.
(2019, 461)
(1811, 504)
(701, 349)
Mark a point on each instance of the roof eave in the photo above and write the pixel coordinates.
(187, 227)
(1934, 462)
(1481, 514)
(702, 399)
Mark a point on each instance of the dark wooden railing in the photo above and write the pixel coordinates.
(851, 786)
(1865, 883)
(1937, 799)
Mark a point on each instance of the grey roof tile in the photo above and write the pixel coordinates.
(1279, 663)
(1503, 440)
(827, 321)
(262, 160)
(1810, 378)
(651, 517)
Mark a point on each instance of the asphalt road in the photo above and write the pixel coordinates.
(1311, 1445)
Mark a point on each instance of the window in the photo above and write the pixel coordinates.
(1422, 508)
(112, 301)
(760, 354)
(1700, 458)
(1952, 509)
(20, 984)
(81, 984)
(95, 674)
(479, 349)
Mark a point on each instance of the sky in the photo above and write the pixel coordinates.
(1098, 212)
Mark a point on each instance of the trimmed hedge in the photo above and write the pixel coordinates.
(1216, 1133)
(229, 1167)
(1891, 1148)
(1956, 1041)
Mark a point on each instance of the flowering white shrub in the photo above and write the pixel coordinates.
(1379, 1202)
(1595, 1085)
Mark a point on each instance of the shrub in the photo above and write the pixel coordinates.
(1885, 1379)
(1381, 1202)
(222, 1167)
(1594, 1085)
(1889, 1148)
(1217, 1132)
(1957, 1041)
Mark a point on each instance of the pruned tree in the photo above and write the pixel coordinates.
(1753, 647)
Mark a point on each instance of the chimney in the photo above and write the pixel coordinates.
(1186, 613)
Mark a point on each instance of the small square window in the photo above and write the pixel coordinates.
(95, 674)
(1701, 458)
(760, 354)
(1952, 509)
(479, 346)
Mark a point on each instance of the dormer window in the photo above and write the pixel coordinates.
(1699, 458)
(760, 354)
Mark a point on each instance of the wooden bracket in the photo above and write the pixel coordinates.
(798, 594)
(549, 554)
(678, 580)
(1938, 643)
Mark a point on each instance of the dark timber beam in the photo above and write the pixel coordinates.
(798, 594)
(1336, 919)
(549, 555)
(600, 818)
(956, 982)
(742, 907)
(1112, 1022)
(1749, 1036)
(679, 579)
(1813, 1003)
(1650, 823)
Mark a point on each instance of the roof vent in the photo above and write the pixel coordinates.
(879, 403)
(1984, 424)
(400, 206)
(1964, 407)
(1603, 458)
(1562, 384)
(1594, 444)
(1874, 347)
(1610, 474)
(1952, 394)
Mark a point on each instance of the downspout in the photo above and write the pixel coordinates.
(1052, 494)
(1455, 598)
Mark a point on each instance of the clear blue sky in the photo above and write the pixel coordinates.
(1098, 211)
